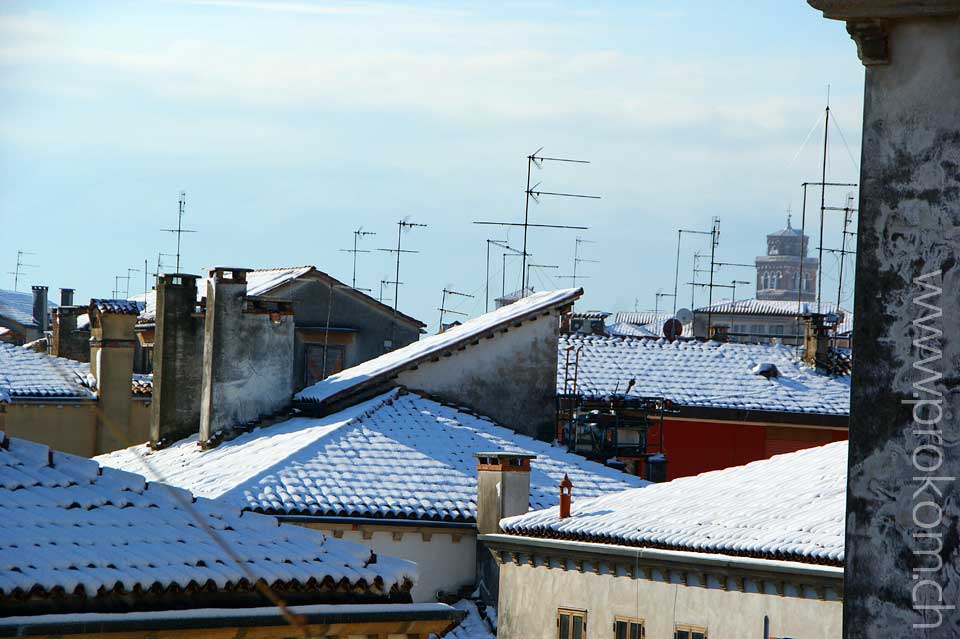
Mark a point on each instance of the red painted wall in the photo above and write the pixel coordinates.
(694, 447)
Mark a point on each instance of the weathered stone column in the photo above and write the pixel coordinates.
(903, 497)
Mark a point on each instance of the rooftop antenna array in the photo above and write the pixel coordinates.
(385, 282)
(577, 261)
(358, 235)
(443, 304)
(532, 266)
(656, 303)
(534, 193)
(129, 271)
(402, 225)
(676, 273)
(20, 266)
(180, 230)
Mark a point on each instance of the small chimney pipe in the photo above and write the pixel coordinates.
(566, 489)
(40, 310)
(66, 297)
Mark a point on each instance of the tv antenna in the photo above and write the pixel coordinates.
(385, 282)
(676, 273)
(534, 193)
(358, 235)
(20, 266)
(504, 245)
(577, 260)
(656, 306)
(443, 304)
(532, 266)
(734, 283)
(180, 230)
(129, 271)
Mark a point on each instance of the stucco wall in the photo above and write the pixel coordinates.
(442, 563)
(530, 597)
(70, 427)
(247, 362)
(511, 377)
(908, 221)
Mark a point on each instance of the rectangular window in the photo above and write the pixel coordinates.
(683, 631)
(571, 624)
(628, 628)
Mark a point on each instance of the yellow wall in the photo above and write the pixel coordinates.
(70, 427)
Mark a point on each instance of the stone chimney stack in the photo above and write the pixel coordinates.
(65, 340)
(177, 360)
(816, 340)
(111, 363)
(503, 488)
(40, 309)
(66, 297)
(247, 357)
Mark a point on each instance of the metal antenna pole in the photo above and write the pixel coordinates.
(129, 271)
(693, 289)
(179, 230)
(20, 266)
(401, 226)
(713, 248)
(577, 260)
(531, 266)
(843, 248)
(357, 235)
(823, 195)
(734, 283)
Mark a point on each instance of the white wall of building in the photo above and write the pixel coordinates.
(530, 597)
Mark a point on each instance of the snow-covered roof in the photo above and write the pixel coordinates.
(387, 365)
(704, 374)
(397, 456)
(787, 308)
(643, 318)
(475, 625)
(71, 528)
(18, 306)
(789, 507)
(625, 329)
(27, 374)
(117, 306)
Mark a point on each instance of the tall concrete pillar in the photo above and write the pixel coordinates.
(902, 573)
(177, 361)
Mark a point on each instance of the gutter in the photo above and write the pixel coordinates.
(88, 624)
(712, 560)
(375, 521)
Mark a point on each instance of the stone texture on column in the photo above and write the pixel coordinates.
(903, 497)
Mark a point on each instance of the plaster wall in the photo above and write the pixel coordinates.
(511, 377)
(442, 563)
(530, 597)
(908, 228)
(68, 427)
(247, 362)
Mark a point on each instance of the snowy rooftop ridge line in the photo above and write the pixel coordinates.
(389, 364)
(117, 306)
(24, 373)
(704, 374)
(790, 507)
(397, 456)
(70, 529)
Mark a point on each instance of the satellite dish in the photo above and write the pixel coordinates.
(684, 316)
(672, 328)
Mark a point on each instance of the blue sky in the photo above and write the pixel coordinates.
(291, 123)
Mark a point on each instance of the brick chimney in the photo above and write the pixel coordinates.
(177, 360)
(816, 340)
(111, 363)
(566, 490)
(40, 309)
(248, 347)
(66, 297)
(503, 488)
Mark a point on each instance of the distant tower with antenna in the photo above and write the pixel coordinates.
(779, 271)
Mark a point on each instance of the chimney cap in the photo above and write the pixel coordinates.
(39, 287)
(504, 462)
(565, 482)
(503, 455)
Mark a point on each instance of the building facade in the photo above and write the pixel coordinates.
(785, 272)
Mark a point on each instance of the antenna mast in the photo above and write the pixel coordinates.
(577, 260)
(20, 266)
(357, 235)
(533, 193)
(401, 226)
(180, 230)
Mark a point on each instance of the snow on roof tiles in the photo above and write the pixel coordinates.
(67, 523)
(787, 308)
(396, 456)
(395, 361)
(625, 329)
(704, 374)
(117, 306)
(18, 307)
(789, 507)
(24, 373)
